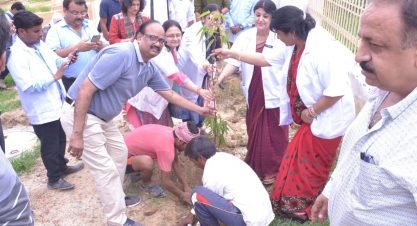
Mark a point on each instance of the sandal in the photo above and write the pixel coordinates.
(153, 189)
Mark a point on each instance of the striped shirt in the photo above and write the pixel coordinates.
(379, 186)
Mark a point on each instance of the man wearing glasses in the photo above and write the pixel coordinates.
(75, 32)
(117, 73)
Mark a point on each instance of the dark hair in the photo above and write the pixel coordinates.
(267, 5)
(125, 4)
(200, 146)
(291, 19)
(211, 8)
(26, 19)
(171, 23)
(17, 6)
(143, 26)
(66, 3)
(4, 32)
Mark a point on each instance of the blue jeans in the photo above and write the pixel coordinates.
(210, 208)
(186, 115)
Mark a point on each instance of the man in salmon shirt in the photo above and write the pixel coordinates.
(163, 144)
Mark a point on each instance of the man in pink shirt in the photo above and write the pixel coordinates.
(156, 142)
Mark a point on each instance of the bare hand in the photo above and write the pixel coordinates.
(209, 68)
(186, 197)
(186, 220)
(206, 111)
(72, 56)
(306, 117)
(187, 189)
(319, 209)
(85, 45)
(222, 53)
(76, 146)
(100, 45)
(206, 94)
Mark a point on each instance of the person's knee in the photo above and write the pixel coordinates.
(142, 163)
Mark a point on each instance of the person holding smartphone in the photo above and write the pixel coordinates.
(75, 32)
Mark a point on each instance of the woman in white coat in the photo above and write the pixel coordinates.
(321, 102)
(266, 126)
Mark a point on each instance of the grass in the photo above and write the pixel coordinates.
(8, 80)
(26, 161)
(9, 100)
(39, 9)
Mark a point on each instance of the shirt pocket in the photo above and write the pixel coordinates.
(372, 185)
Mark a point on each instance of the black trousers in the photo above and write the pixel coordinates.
(67, 82)
(53, 142)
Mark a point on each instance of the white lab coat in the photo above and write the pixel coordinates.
(273, 80)
(322, 70)
(192, 57)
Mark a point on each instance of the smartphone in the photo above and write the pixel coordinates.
(95, 38)
(75, 55)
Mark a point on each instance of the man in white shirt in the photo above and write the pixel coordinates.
(231, 193)
(74, 33)
(37, 72)
(375, 181)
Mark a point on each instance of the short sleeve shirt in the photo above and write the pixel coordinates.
(62, 36)
(108, 8)
(119, 72)
(156, 141)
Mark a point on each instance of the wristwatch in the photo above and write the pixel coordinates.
(241, 27)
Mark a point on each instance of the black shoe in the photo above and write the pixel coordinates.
(132, 200)
(73, 169)
(60, 184)
(130, 222)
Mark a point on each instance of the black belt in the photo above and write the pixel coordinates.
(69, 100)
(72, 102)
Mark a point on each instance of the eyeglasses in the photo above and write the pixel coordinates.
(154, 38)
(174, 36)
(76, 13)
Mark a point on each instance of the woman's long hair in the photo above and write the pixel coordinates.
(290, 19)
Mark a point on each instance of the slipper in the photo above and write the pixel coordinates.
(153, 189)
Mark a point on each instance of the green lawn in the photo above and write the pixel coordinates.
(26, 161)
(9, 100)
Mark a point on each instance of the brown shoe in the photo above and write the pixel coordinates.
(73, 169)
(60, 184)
